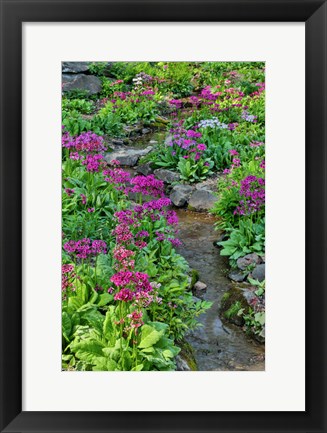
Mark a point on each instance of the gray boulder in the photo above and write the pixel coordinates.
(180, 195)
(167, 176)
(127, 157)
(258, 272)
(88, 83)
(145, 169)
(202, 200)
(74, 67)
(182, 364)
(248, 260)
(237, 276)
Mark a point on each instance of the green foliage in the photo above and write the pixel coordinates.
(194, 171)
(80, 105)
(102, 348)
(247, 238)
(233, 310)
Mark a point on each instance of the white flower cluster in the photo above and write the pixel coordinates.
(137, 81)
(212, 123)
(248, 117)
(140, 78)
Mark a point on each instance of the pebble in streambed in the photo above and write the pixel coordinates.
(216, 346)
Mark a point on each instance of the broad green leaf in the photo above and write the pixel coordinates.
(74, 303)
(149, 336)
(66, 324)
(104, 299)
(88, 350)
(138, 367)
(108, 329)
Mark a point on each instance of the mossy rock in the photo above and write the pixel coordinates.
(186, 359)
(194, 277)
(231, 303)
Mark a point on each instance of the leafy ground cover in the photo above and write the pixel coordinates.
(126, 298)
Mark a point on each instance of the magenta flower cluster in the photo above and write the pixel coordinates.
(117, 177)
(67, 280)
(93, 162)
(148, 185)
(86, 142)
(186, 141)
(85, 248)
(252, 192)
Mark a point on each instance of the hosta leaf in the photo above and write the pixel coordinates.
(66, 324)
(138, 367)
(88, 350)
(108, 329)
(104, 299)
(149, 336)
(74, 303)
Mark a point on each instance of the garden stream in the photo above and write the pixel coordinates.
(216, 345)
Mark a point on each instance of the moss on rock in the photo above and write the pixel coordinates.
(186, 356)
(231, 303)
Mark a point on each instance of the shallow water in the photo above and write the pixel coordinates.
(216, 345)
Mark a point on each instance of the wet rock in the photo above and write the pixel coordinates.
(231, 304)
(205, 187)
(74, 67)
(185, 360)
(249, 296)
(127, 157)
(167, 176)
(199, 289)
(239, 301)
(258, 272)
(180, 195)
(237, 276)
(117, 141)
(202, 200)
(248, 260)
(145, 169)
(209, 184)
(222, 237)
(87, 83)
(168, 140)
(133, 130)
(181, 364)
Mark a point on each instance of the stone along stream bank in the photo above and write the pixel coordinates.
(216, 345)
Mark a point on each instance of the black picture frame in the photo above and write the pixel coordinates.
(13, 14)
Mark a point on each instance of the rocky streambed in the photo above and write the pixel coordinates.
(216, 345)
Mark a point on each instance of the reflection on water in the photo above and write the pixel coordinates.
(217, 346)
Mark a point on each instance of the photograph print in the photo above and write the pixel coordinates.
(163, 216)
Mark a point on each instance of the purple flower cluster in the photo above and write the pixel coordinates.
(69, 191)
(118, 177)
(67, 279)
(84, 248)
(85, 142)
(252, 192)
(187, 140)
(206, 93)
(177, 103)
(148, 185)
(93, 162)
